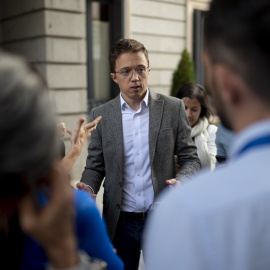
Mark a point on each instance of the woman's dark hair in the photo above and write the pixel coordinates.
(191, 91)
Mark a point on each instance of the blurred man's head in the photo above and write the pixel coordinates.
(237, 53)
(28, 140)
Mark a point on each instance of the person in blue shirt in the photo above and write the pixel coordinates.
(224, 138)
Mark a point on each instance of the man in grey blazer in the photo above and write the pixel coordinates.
(134, 147)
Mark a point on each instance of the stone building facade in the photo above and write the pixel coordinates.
(68, 41)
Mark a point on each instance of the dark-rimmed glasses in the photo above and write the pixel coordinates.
(127, 73)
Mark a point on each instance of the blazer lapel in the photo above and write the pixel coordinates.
(115, 129)
(155, 116)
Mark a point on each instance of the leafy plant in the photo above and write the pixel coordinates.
(184, 72)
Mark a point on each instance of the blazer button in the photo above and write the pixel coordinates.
(120, 184)
(118, 206)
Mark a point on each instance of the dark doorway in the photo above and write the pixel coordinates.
(105, 25)
(198, 40)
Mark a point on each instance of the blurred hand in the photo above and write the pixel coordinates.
(53, 225)
(83, 186)
(78, 138)
(61, 127)
(173, 182)
(80, 134)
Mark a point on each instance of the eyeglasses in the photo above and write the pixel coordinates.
(127, 73)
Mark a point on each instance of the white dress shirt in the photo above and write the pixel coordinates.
(138, 192)
(220, 220)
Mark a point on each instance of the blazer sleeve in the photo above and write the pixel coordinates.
(94, 171)
(185, 149)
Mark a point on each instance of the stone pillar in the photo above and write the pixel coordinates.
(52, 35)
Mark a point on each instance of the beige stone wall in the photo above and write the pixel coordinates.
(161, 27)
(165, 28)
(52, 35)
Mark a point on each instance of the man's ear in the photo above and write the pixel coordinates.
(113, 76)
(230, 83)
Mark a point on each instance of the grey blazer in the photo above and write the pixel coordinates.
(169, 135)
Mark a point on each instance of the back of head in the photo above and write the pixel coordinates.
(191, 91)
(236, 34)
(28, 141)
(126, 46)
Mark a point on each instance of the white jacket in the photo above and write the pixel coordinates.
(205, 136)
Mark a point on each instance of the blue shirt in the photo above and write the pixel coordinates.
(218, 221)
(91, 233)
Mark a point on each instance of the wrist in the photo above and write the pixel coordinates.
(74, 152)
(64, 254)
(84, 263)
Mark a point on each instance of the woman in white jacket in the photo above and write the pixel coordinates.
(199, 111)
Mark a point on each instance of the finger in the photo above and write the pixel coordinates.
(27, 214)
(69, 131)
(81, 186)
(84, 187)
(92, 125)
(98, 119)
(79, 124)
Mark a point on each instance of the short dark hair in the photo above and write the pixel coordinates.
(236, 34)
(125, 46)
(191, 91)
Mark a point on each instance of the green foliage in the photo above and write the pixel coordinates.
(184, 73)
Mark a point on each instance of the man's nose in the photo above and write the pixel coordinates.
(134, 76)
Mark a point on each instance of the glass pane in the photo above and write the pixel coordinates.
(101, 46)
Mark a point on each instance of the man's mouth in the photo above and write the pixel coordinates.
(135, 87)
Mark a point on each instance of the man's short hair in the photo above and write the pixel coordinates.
(237, 34)
(126, 46)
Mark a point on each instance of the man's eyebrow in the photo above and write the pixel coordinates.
(124, 68)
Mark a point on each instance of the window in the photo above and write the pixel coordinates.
(198, 40)
(104, 27)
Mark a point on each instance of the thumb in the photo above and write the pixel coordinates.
(79, 186)
(169, 182)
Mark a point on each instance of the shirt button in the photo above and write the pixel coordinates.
(137, 153)
(139, 194)
(136, 133)
(138, 174)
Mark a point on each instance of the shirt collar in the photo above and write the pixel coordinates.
(144, 101)
(250, 133)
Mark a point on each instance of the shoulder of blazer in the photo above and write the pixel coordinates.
(167, 99)
(114, 103)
